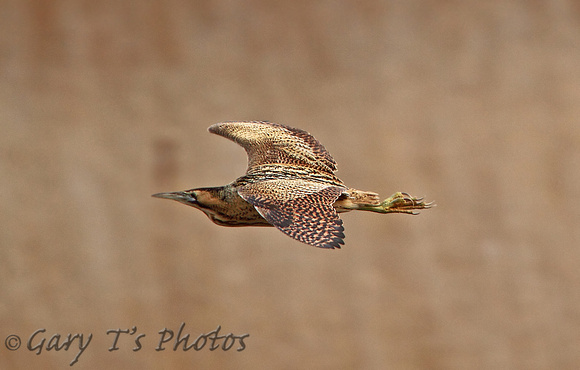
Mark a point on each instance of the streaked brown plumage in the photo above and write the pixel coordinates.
(289, 184)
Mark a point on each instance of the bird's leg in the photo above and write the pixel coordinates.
(398, 203)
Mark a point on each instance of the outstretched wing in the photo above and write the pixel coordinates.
(272, 143)
(300, 209)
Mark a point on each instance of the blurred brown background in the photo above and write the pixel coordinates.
(472, 104)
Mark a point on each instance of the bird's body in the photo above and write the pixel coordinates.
(289, 184)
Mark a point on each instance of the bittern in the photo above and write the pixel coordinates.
(289, 184)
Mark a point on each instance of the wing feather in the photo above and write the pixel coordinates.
(273, 143)
(301, 210)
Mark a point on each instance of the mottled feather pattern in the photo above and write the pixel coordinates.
(321, 154)
(317, 222)
(282, 172)
(299, 209)
(273, 143)
(284, 190)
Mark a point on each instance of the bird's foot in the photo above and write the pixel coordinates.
(402, 203)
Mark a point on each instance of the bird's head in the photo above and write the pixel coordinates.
(188, 197)
(201, 198)
(211, 201)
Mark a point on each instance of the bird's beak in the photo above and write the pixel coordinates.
(179, 196)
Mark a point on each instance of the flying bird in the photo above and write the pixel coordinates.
(289, 184)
